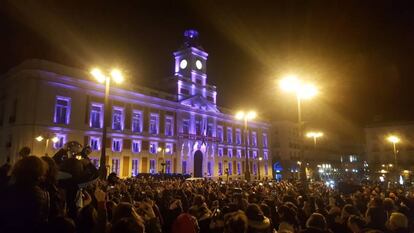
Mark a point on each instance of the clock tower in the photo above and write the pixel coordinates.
(191, 70)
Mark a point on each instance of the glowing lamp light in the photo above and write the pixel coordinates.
(314, 134)
(302, 90)
(55, 139)
(240, 115)
(290, 83)
(251, 115)
(246, 116)
(117, 76)
(393, 139)
(39, 138)
(260, 158)
(167, 150)
(159, 149)
(98, 75)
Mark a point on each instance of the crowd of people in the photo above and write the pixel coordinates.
(62, 194)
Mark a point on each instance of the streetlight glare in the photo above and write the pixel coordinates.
(307, 91)
(98, 75)
(251, 115)
(39, 138)
(314, 134)
(167, 150)
(393, 139)
(117, 76)
(260, 158)
(240, 115)
(290, 83)
(159, 149)
(55, 139)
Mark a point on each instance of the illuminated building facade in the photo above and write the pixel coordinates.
(148, 131)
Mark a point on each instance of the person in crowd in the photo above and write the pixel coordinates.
(316, 223)
(257, 222)
(356, 224)
(398, 223)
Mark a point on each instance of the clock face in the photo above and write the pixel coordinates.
(199, 65)
(183, 64)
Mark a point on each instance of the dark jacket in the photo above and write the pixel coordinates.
(256, 226)
(314, 230)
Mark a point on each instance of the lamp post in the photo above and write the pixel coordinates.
(246, 117)
(116, 76)
(394, 140)
(47, 138)
(260, 160)
(163, 150)
(302, 91)
(315, 136)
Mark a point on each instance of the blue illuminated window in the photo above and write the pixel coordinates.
(168, 166)
(184, 167)
(135, 168)
(115, 166)
(238, 137)
(254, 139)
(209, 168)
(220, 152)
(95, 143)
(186, 126)
(238, 168)
(95, 162)
(169, 126)
(169, 147)
(238, 153)
(60, 142)
(229, 135)
(220, 168)
(62, 110)
(136, 124)
(154, 120)
(265, 155)
(136, 146)
(96, 116)
(153, 147)
(118, 118)
(116, 144)
(220, 133)
(265, 140)
(152, 166)
(230, 153)
(230, 168)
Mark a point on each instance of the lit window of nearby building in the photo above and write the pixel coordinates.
(220, 152)
(230, 152)
(135, 168)
(209, 168)
(238, 153)
(154, 122)
(265, 140)
(168, 166)
(95, 143)
(115, 166)
(265, 155)
(198, 127)
(169, 148)
(229, 135)
(169, 126)
(210, 130)
(95, 162)
(96, 116)
(62, 110)
(230, 168)
(136, 146)
(220, 168)
(254, 168)
(184, 167)
(116, 144)
(238, 168)
(220, 133)
(117, 118)
(238, 137)
(152, 166)
(136, 123)
(254, 139)
(60, 142)
(186, 126)
(153, 147)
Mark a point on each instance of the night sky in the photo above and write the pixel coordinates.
(361, 53)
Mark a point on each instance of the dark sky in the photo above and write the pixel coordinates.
(360, 53)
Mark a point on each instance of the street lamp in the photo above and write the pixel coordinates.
(394, 140)
(116, 76)
(40, 138)
(163, 150)
(315, 136)
(260, 160)
(246, 117)
(303, 91)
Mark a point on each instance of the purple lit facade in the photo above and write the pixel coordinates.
(194, 135)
